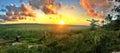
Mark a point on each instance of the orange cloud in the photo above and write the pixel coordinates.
(28, 11)
(91, 6)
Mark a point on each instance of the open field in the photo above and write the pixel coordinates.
(39, 38)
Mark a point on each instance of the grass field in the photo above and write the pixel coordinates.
(40, 38)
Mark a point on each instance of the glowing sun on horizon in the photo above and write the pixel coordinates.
(62, 22)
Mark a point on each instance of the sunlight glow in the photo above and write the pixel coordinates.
(61, 22)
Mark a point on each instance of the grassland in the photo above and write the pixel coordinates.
(38, 38)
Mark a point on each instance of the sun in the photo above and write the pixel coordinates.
(62, 22)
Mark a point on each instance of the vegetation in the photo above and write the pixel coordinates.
(50, 39)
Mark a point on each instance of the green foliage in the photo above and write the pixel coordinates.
(113, 25)
(38, 39)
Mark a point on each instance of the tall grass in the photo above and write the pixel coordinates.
(44, 40)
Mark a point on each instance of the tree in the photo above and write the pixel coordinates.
(113, 22)
(94, 23)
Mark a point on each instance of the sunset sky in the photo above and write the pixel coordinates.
(72, 11)
(75, 3)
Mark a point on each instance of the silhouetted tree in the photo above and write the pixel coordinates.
(110, 23)
(93, 23)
